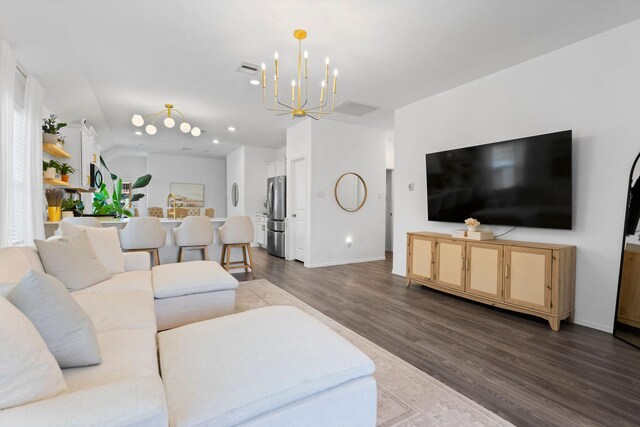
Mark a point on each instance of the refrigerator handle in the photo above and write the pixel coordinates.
(269, 198)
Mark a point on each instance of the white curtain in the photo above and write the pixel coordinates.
(7, 83)
(34, 202)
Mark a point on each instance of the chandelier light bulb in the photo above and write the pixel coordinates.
(169, 122)
(151, 129)
(326, 60)
(293, 83)
(335, 72)
(264, 66)
(306, 55)
(323, 84)
(195, 131)
(185, 127)
(275, 55)
(137, 120)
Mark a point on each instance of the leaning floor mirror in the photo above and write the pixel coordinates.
(627, 323)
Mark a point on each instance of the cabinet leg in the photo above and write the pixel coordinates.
(408, 282)
(554, 322)
(571, 316)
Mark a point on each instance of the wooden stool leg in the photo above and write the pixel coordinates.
(251, 261)
(156, 257)
(181, 254)
(228, 258)
(224, 250)
(205, 253)
(244, 258)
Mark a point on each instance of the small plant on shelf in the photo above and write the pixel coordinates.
(56, 165)
(75, 206)
(51, 129)
(48, 170)
(65, 170)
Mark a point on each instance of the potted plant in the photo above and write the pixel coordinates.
(116, 204)
(51, 129)
(72, 208)
(65, 171)
(54, 202)
(56, 165)
(48, 170)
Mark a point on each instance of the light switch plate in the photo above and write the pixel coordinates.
(411, 186)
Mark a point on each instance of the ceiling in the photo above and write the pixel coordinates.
(107, 60)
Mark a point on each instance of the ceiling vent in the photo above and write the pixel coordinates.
(248, 68)
(186, 148)
(354, 109)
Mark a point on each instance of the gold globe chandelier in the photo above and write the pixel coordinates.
(139, 120)
(298, 107)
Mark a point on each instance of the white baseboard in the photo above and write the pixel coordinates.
(604, 328)
(355, 261)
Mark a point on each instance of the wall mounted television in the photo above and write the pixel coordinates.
(521, 182)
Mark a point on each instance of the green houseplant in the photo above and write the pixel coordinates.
(48, 170)
(115, 204)
(51, 128)
(65, 171)
(75, 207)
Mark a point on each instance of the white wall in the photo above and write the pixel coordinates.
(337, 148)
(255, 177)
(235, 174)
(167, 168)
(248, 167)
(591, 87)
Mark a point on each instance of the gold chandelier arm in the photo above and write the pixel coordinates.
(155, 114)
(184, 119)
(264, 104)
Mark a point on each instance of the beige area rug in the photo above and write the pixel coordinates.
(406, 395)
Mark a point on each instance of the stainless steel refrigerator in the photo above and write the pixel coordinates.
(276, 214)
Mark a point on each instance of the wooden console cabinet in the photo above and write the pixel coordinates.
(532, 278)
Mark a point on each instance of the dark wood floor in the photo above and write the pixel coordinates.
(512, 364)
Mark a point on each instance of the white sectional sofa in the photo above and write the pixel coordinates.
(271, 366)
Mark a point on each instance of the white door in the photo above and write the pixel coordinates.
(299, 205)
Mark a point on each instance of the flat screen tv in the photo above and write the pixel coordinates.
(521, 182)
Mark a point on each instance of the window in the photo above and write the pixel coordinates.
(19, 191)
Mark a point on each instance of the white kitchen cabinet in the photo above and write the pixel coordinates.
(277, 168)
(80, 143)
(261, 230)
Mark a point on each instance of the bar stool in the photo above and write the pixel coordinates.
(143, 234)
(195, 232)
(180, 213)
(155, 212)
(237, 232)
(209, 212)
(193, 211)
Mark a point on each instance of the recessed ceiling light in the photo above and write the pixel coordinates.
(216, 141)
(138, 132)
(254, 82)
(231, 129)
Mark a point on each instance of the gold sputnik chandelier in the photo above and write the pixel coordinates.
(298, 107)
(139, 120)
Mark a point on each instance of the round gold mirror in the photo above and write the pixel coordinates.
(351, 192)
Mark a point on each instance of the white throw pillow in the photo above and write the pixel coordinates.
(105, 241)
(66, 329)
(72, 260)
(28, 371)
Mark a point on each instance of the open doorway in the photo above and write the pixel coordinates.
(388, 240)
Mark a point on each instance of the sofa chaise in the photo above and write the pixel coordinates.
(270, 366)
